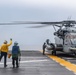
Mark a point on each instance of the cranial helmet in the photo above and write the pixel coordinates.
(15, 43)
(5, 42)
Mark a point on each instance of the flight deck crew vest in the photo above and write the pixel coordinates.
(15, 49)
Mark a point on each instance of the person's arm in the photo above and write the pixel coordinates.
(10, 42)
(0, 49)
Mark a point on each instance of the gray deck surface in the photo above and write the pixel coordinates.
(34, 63)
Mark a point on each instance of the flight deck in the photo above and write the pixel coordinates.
(35, 63)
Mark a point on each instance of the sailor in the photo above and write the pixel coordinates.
(4, 51)
(15, 55)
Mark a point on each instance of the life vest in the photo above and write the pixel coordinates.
(15, 49)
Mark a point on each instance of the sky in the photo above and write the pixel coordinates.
(33, 10)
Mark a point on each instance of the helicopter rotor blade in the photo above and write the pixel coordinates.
(44, 24)
(40, 26)
(37, 26)
(27, 22)
(31, 22)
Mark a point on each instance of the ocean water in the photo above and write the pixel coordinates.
(27, 38)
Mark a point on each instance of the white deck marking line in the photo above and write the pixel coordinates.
(61, 64)
(68, 69)
(27, 61)
(74, 73)
(34, 57)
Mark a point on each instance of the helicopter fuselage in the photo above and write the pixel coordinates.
(65, 40)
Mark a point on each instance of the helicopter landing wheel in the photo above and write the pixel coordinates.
(53, 52)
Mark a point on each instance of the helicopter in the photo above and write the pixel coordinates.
(65, 38)
(65, 35)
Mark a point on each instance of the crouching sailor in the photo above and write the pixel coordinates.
(15, 55)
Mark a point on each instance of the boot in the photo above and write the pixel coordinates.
(13, 66)
(5, 66)
(17, 66)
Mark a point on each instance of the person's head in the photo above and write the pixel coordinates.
(47, 41)
(15, 43)
(5, 42)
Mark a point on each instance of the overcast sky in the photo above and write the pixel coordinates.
(33, 10)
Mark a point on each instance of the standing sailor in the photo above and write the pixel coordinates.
(15, 55)
(4, 51)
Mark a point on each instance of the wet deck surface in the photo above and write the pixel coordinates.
(34, 63)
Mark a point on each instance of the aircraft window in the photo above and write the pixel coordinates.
(70, 36)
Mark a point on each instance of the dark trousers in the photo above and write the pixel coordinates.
(5, 57)
(15, 61)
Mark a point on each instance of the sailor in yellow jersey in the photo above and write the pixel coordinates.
(4, 51)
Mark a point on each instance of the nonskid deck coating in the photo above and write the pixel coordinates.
(34, 63)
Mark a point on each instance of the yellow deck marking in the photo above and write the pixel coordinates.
(62, 62)
(67, 64)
